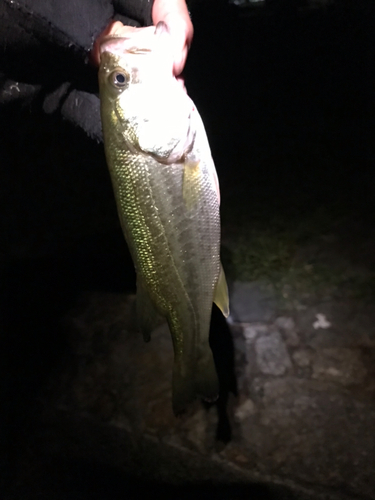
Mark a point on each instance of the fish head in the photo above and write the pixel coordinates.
(142, 97)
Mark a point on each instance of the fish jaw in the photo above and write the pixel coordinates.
(158, 121)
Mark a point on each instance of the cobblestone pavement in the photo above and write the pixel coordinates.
(303, 418)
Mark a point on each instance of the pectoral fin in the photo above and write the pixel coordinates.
(147, 315)
(221, 298)
(190, 188)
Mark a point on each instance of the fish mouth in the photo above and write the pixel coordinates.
(134, 40)
(119, 44)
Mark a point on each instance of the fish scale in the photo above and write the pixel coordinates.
(168, 206)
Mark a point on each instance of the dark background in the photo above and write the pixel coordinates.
(287, 97)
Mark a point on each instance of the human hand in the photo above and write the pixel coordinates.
(175, 15)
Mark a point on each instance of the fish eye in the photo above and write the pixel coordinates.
(119, 78)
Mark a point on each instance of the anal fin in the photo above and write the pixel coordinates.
(147, 316)
(183, 390)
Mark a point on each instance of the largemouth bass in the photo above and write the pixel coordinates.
(167, 195)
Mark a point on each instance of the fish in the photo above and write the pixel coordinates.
(167, 196)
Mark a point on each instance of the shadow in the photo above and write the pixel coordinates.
(221, 343)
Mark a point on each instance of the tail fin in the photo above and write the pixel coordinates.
(206, 381)
(183, 390)
(194, 380)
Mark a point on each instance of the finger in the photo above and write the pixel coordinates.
(179, 45)
(179, 61)
(181, 81)
(176, 15)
